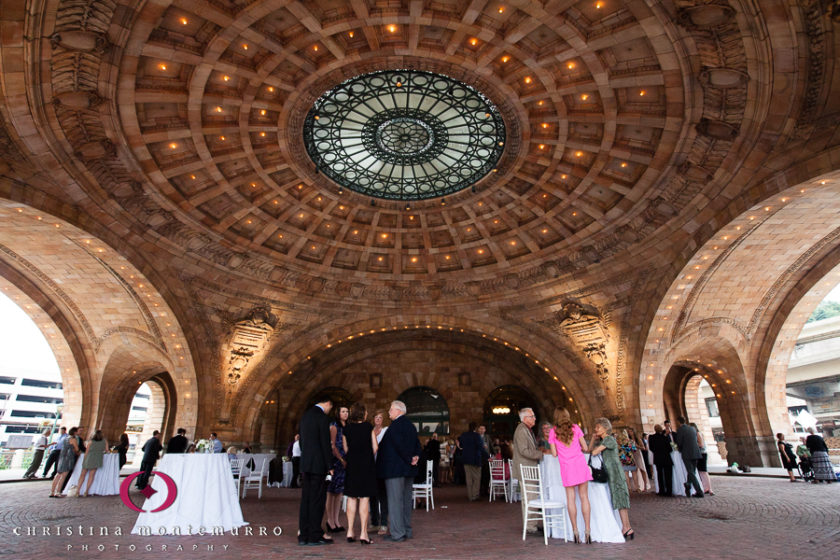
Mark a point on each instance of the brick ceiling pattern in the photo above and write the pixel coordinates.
(211, 98)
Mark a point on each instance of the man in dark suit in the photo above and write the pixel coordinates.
(396, 463)
(473, 455)
(151, 452)
(179, 443)
(315, 461)
(660, 446)
(686, 439)
(432, 451)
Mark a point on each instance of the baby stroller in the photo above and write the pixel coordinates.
(806, 470)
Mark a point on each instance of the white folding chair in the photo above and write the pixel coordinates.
(536, 509)
(254, 479)
(236, 470)
(512, 483)
(497, 479)
(424, 491)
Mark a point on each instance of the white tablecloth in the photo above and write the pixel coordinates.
(107, 479)
(206, 496)
(679, 475)
(604, 521)
(288, 474)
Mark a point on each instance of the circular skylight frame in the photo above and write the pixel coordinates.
(404, 135)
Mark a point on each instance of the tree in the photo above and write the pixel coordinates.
(825, 310)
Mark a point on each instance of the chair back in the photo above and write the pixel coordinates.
(429, 471)
(236, 466)
(259, 469)
(531, 483)
(497, 470)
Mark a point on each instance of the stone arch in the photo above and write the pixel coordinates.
(741, 287)
(553, 365)
(61, 331)
(111, 316)
(696, 411)
(463, 367)
(132, 362)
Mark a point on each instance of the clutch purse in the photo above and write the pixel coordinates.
(598, 474)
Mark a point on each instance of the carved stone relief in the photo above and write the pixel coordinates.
(248, 339)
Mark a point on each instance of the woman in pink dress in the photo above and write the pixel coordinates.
(568, 445)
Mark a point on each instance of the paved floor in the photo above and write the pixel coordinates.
(749, 518)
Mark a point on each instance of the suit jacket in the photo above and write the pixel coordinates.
(686, 439)
(177, 444)
(315, 450)
(525, 450)
(151, 450)
(398, 446)
(472, 449)
(660, 446)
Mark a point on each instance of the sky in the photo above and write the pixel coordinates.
(22, 344)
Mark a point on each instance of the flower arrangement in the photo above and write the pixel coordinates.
(201, 446)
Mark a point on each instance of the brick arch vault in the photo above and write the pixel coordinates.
(461, 359)
(735, 309)
(107, 324)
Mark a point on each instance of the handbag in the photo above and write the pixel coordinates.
(599, 474)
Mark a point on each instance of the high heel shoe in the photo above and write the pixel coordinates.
(351, 539)
(365, 541)
(588, 539)
(629, 535)
(576, 539)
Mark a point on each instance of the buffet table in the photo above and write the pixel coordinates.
(106, 481)
(604, 521)
(679, 475)
(206, 497)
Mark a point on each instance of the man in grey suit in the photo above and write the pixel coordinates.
(686, 440)
(525, 452)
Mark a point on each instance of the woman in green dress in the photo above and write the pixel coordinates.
(604, 444)
(92, 462)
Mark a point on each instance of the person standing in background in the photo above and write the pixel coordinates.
(52, 458)
(40, 447)
(315, 464)
(178, 443)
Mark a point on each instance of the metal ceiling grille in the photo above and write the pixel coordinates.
(404, 135)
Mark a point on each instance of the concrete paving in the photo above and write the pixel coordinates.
(748, 518)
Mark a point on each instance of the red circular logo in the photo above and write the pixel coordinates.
(171, 492)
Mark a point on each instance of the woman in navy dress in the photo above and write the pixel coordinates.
(360, 478)
(335, 491)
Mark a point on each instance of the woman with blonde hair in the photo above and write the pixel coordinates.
(604, 444)
(568, 445)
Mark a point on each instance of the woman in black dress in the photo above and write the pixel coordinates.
(360, 474)
(122, 449)
(787, 455)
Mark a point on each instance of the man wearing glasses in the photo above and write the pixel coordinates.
(526, 452)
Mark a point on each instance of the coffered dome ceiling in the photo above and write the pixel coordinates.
(609, 117)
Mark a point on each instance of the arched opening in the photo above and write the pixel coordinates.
(427, 410)
(746, 294)
(461, 366)
(701, 406)
(502, 406)
(31, 389)
(683, 396)
(136, 425)
(160, 412)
